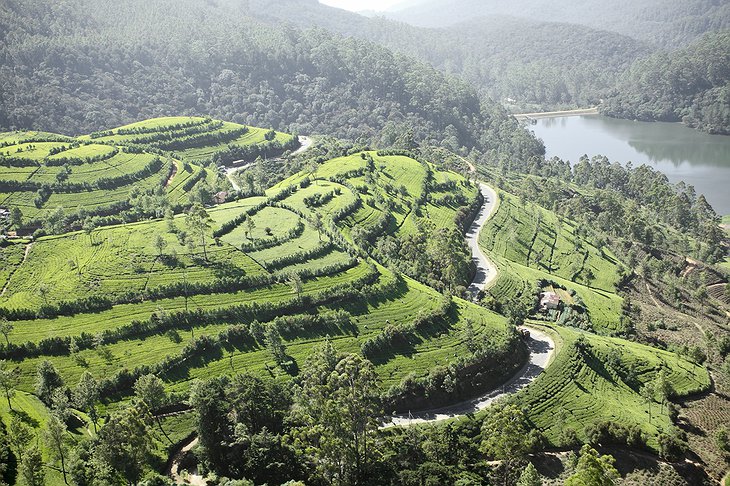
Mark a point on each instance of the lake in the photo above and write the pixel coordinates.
(683, 154)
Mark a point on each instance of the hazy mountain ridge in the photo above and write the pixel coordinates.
(666, 22)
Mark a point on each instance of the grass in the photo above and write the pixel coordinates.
(581, 389)
(115, 260)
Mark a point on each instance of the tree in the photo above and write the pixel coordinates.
(54, 435)
(8, 460)
(124, 443)
(250, 225)
(337, 407)
(295, 282)
(198, 221)
(160, 244)
(31, 467)
(170, 221)
(258, 404)
(6, 327)
(208, 399)
(19, 435)
(151, 390)
(316, 221)
(663, 386)
(647, 393)
(86, 395)
(60, 404)
(275, 344)
(8, 381)
(89, 226)
(47, 380)
(593, 470)
(16, 217)
(529, 476)
(506, 436)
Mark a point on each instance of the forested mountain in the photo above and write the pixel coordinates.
(79, 66)
(665, 22)
(691, 85)
(534, 64)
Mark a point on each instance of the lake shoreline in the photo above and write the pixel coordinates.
(556, 114)
(681, 153)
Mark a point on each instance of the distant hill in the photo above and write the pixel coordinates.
(537, 64)
(106, 63)
(691, 85)
(665, 22)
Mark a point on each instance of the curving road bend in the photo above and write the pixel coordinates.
(304, 144)
(541, 347)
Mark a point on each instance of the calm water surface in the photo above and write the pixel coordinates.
(683, 154)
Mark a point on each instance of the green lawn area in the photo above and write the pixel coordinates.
(115, 260)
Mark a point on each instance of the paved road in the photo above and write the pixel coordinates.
(540, 344)
(486, 270)
(541, 347)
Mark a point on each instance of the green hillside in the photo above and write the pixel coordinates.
(124, 169)
(598, 380)
(117, 303)
(529, 244)
(197, 139)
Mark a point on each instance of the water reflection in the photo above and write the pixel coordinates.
(698, 158)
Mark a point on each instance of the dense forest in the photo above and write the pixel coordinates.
(549, 64)
(558, 59)
(78, 66)
(691, 85)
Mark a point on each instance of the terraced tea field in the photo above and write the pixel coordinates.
(172, 311)
(599, 380)
(199, 140)
(528, 244)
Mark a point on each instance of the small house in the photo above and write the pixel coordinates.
(549, 301)
(220, 197)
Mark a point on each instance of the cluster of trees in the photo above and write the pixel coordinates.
(691, 85)
(233, 68)
(438, 257)
(323, 429)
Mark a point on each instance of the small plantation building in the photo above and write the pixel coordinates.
(549, 301)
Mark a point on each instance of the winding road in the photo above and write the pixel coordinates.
(541, 348)
(304, 144)
(540, 344)
(486, 270)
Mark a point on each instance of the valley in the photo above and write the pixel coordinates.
(248, 243)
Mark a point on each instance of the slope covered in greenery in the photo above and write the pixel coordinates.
(117, 175)
(120, 62)
(530, 245)
(664, 22)
(607, 390)
(262, 282)
(691, 85)
(200, 140)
